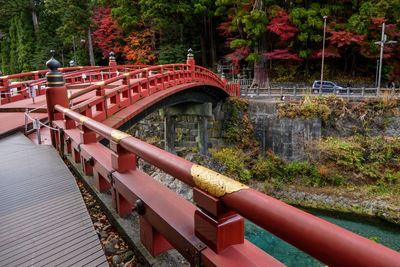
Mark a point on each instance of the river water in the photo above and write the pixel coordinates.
(382, 232)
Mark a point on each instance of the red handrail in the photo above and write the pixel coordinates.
(324, 241)
(143, 73)
(74, 72)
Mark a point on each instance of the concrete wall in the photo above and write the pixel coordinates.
(285, 137)
(288, 137)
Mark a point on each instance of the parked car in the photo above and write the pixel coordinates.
(327, 87)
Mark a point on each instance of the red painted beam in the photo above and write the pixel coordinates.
(173, 217)
(328, 243)
(324, 241)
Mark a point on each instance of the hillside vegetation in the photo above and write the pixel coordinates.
(279, 40)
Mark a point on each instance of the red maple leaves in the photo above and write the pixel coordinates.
(135, 46)
(281, 26)
(105, 37)
(282, 54)
(343, 37)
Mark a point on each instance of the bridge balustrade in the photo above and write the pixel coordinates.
(212, 232)
(18, 90)
(116, 93)
(6, 85)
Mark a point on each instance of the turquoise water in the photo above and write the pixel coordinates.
(384, 233)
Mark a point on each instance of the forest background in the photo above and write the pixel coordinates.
(277, 40)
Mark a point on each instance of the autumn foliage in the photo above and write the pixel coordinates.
(134, 46)
(281, 26)
(107, 34)
(138, 47)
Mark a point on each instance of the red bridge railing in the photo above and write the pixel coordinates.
(115, 94)
(11, 91)
(212, 231)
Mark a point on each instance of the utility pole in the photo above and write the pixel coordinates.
(91, 56)
(376, 74)
(381, 54)
(73, 40)
(323, 56)
(382, 43)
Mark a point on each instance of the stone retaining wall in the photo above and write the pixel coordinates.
(285, 137)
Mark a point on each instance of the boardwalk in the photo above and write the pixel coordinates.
(43, 219)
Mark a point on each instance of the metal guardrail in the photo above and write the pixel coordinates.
(299, 92)
(36, 124)
(349, 92)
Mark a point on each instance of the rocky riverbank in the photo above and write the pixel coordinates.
(337, 199)
(340, 199)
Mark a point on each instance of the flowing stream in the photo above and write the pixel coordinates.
(380, 231)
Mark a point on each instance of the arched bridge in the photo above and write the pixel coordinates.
(209, 232)
(116, 94)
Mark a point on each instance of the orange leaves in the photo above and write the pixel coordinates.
(139, 47)
(136, 46)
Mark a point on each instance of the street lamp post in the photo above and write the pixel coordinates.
(323, 56)
(382, 44)
(376, 74)
(73, 41)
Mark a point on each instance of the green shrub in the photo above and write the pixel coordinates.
(308, 109)
(304, 172)
(244, 175)
(343, 153)
(265, 168)
(237, 128)
(233, 159)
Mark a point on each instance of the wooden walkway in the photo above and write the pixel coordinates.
(43, 219)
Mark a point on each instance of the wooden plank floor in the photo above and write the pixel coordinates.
(43, 219)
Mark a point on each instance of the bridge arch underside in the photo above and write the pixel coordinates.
(197, 94)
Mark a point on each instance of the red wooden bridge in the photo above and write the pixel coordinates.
(89, 104)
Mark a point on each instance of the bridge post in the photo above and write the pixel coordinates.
(35, 75)
(87, 136)
(201, 111)
(169, 133)
(111, 62)
(190, 59)
(214, 224)
(223, 79)
(191, 63)
(202, 138)
(56, 93)
(121, 160)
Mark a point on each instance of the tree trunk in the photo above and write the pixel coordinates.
(203, 47)
(353, 64)
(261, 66)
(91, 55)
(213, 49)
(307, 69)
(153, 38)
(34, 17)
(181, 32)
